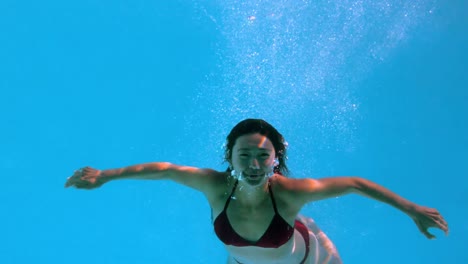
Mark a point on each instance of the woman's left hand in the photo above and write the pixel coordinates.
(426, 217)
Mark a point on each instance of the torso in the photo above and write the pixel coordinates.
(251, 221)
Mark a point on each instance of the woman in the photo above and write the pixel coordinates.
(255, 207)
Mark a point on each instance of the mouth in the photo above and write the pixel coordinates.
(253, 176)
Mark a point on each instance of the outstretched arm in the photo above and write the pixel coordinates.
(312, 190)
(199, 179)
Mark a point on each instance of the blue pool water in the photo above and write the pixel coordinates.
(370, 88)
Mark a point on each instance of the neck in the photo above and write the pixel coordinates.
(251, 195)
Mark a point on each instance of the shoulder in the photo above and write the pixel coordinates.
(214, 178)
(216, 182)
(219, 188)
(202, 179)
(285, 184)
(292, 191)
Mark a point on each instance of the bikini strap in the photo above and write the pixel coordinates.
(272, 197)
(231, 195)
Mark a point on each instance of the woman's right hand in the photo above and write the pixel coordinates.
(85, 178)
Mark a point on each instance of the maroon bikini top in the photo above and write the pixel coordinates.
(277, 233)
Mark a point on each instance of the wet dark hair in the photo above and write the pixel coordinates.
(251, 126)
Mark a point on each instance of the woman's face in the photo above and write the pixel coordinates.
(253, 155)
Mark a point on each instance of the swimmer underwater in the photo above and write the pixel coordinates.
(255, 206)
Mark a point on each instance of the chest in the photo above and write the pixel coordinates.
(253, 222)
(250, 223)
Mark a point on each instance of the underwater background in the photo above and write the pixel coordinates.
(376, 89)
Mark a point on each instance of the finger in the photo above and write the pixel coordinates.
(75, 181)
(80, 185)
(427, 234)
(84, 185)
(444, 226)
(423, 230)
(70, 182)
(77, 173)
(441, 223)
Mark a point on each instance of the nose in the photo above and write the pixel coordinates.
(254, 164)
